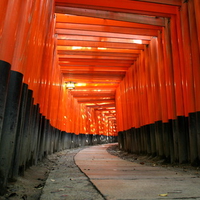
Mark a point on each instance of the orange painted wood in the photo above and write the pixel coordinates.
(9, 29)
(189, 81)
(3, 10)
(100, 44)
(177, 69)
(27, 9)
(129, 33)
(161, 80)
(168, 2)
(150, 96)
(195, 52)
(167, 53)
(182, 64)
(110, 15)
(197, 14)
(108, 37)
(129, 6)
(64, 21)
(63, 28)
(76, 38)
(156, 98)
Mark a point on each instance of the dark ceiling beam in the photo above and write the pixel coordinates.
(126, 17)
(73, 19)
(132, 6)
(167, 2)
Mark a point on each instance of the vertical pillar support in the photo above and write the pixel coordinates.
(5, 74)
(9, 128)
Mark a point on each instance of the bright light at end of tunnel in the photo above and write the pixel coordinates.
(78, 48)
(137, 41)
(101, 48)
(81, 84)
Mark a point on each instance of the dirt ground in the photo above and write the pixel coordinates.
(153, 161)
(58, 177)
(30, 185)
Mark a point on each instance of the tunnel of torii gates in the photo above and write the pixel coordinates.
(136, 68)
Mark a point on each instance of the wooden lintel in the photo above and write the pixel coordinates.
(126, 17)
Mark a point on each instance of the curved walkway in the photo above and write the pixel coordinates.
(119, 179)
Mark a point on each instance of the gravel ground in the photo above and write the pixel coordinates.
(66, 181)
(56, 178)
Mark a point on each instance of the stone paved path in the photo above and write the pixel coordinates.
(119, 179)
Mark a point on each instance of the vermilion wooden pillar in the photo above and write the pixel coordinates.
(3, 11)
(176, 68)
(195, 151)
(188, 65)
(163, 97)
(156, 95)
(19, 57)
(168, 70)
(181, 130)
(195, 52)
(170, 91)
(131, 96)
(189, 82)
(197, 14)
(162, 81)
(9, 30)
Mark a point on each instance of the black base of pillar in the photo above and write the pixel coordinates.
(9, 128)
(4, 80)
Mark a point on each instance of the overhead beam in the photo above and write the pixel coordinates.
(97, 39)
(132, 6)
(93, 95)
(86, 80)
(86, 64)
(99, 74)
(96, 101)
(94, 49)
(167, 2)
(110, 29)
(124, 17)
(97, 109)
(134, 34)
(98, 53)
(103, 106)
(96, 69)
(97, 57)
(102, 61)
(100, 44)
(85, 37)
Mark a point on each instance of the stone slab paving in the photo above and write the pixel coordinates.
(119, 179)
